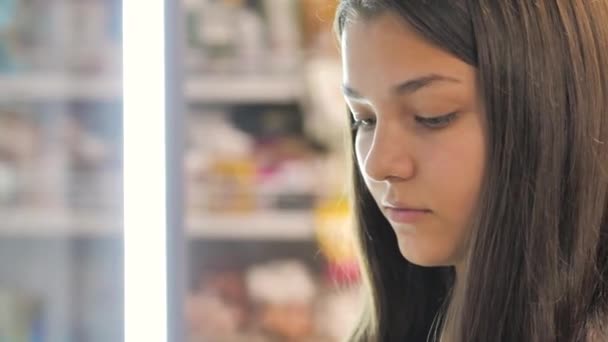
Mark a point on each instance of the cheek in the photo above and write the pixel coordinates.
(456, 172)
(363, 143)
(450, 179)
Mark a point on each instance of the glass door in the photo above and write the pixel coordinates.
(267, 221)
(61, 209)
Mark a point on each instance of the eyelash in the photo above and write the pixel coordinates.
(433, 123)
(437, 122)
(363, 123)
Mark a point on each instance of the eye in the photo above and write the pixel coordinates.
(436, 122)
(363, 124)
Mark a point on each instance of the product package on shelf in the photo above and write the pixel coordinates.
(60, 157)
(219, 308)
(7, 24)
(236, 167)
(219, 167)
(93, 35)
(275, 300)
(29, 144)
(283, 294)
(92, 139)
(334, 228)
(21, 318)
(242, 36)
(97, 297)
(75, 35)
(19, 147)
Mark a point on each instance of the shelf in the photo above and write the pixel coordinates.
(53, 223)
(58, 87)
(279, 88)
(277, 225)
(257, 226)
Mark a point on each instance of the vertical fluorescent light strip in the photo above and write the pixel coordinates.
(145, 190)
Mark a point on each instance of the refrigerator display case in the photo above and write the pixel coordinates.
(263, 246)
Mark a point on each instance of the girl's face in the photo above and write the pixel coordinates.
(420, 139)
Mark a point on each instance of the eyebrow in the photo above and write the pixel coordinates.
(407, 87)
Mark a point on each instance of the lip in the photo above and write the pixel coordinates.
(405, 215)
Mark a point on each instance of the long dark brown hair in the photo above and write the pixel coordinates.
(537, 259)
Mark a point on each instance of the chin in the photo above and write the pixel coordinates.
(426, 258)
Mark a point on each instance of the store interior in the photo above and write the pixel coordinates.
(267, 224)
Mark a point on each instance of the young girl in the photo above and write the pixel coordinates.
(480, 138)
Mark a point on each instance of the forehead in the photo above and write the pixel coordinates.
(385, 50)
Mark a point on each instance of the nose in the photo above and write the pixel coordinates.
(390, 157)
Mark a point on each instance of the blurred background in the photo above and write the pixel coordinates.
(267, 222)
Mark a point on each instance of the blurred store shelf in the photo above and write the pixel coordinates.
(271, 225)
(58, 87)
(250, 88)
(272, 88)
(33, 223)
(277, 225)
